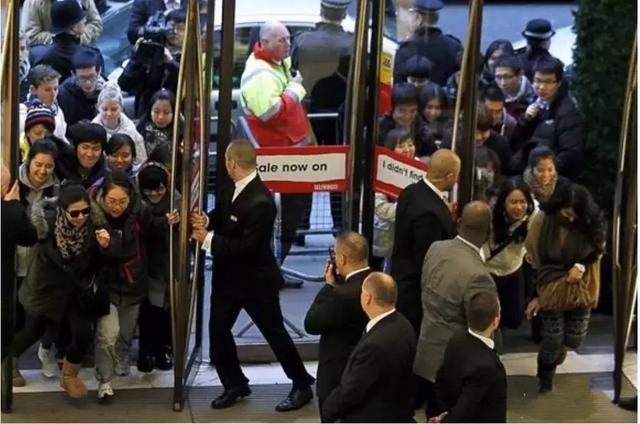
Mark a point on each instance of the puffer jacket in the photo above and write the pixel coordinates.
(51, 281)
(29, 195)
(36, 20)
(383, 225)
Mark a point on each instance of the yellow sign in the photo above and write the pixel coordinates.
(386, 68)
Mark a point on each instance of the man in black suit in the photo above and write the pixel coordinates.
(472, 382)
(246, 276)
(422, 217)
(374, 385)
(335, 314)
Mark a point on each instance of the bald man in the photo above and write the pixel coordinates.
(452, 273)
(373, 387)
(422, 217)
(16, 230)
(246, 276)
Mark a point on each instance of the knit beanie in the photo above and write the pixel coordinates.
(152, 175)
(38, 113)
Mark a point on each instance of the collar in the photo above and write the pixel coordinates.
(489, 342)
(259, 53)
(441, 194)
(377, 319)
(473, 246)
(241, 184)
(524, 82)
(349, 275)
(171, 5)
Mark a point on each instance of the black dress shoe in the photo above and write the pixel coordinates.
(630, 403)
(297, 399)
(146, 362)
(229, 397)
(164, 359)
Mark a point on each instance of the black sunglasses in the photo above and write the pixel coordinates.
(78, 212)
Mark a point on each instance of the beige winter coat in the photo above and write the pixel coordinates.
(36, 20)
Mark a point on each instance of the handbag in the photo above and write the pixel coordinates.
(560, 295)
(94, 299)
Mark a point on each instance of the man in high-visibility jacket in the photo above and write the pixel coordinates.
(270, 96)
(271, 99)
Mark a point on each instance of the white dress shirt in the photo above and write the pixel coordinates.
(377, 319)
(240, 185)
(473, 246)
(355, 272)
(486, 340)
(441, 194)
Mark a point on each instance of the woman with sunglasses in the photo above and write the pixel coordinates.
(116, 208)
(61, 272)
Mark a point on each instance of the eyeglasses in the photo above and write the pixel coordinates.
(158, 191)
(76, 213)
(504, 77)
(116, 202)
(90, 78)
(537, 81)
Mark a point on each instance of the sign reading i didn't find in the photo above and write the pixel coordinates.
(304, 169)
(393, 172)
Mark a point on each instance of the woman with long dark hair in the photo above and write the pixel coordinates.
(541, 174)
(505, 251)
(61, 273)
(565, 244)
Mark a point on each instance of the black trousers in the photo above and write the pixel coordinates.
(293, 212)
(154, 324)
(266, 314)
(35, 327)
(511, 294)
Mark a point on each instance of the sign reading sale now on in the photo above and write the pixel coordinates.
(393, 172)
(304, 169)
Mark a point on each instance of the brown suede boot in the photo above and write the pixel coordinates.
(18, 379)
(70, 381)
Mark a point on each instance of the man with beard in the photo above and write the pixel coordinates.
(78, 95)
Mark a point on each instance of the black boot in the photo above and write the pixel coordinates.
(545, 376)
(146, 361)
(164, 358)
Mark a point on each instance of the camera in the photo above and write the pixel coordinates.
(154, 39)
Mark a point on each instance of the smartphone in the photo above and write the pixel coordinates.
(332, 260)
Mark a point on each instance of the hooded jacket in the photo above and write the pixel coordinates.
(75, 103)
(29, 195)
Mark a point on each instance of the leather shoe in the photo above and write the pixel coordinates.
(298, 397)
(630, 403)
(230, 397)
(145, 362)
(164, 359)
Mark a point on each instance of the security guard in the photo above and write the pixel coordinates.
(429, 41)
(538, 33)
(323, 55)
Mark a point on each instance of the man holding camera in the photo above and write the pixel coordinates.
(155, 62)
(335, 313)
(143, 10)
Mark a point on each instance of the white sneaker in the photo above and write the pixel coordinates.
(105, 391)
(49, 363)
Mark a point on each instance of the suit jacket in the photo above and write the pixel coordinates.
(472, 382)
(243, 259)
(421, 218)
(453, 272)
(336, 315)
(374, 386)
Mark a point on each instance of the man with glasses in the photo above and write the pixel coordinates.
(553, 119)
(78, 95)
(517, 89)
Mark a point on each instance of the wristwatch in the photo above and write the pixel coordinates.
(581, 267)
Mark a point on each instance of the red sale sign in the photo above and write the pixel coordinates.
(304, 169)
(393, 171)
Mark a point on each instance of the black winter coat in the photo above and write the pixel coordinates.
(124, 262)
(67, 168)
(75, 104)
(58, 55)
(561, 129)
(425, 143)
(52, 281)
